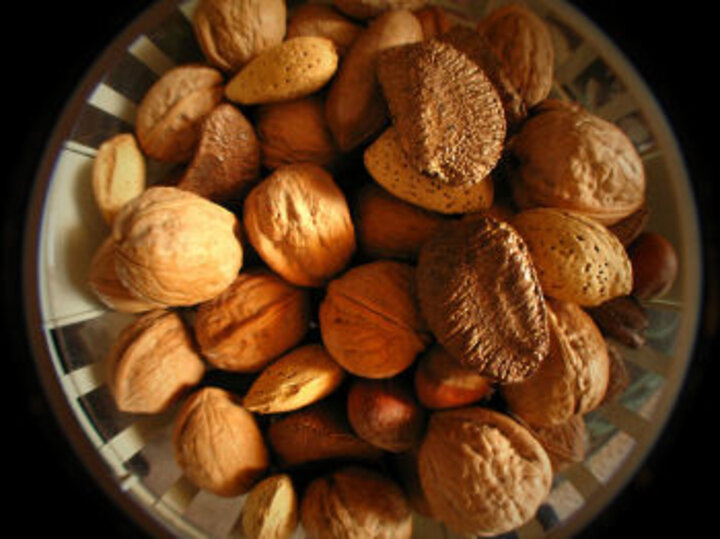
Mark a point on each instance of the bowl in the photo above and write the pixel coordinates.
(131, 456)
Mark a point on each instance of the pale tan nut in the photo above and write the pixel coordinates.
(448, 115)
(577, 259)
(270, 509)
(299, 378)
(152, 363)
(118, 174)
(388, 165)
(295, 68)
(167, 124)
(355, 502)
(231, 32)
(355, 108)
(226, 163)
(482, 472)
(572, 379)
(566, 443)
(217, 443)
(319, 433)
(295, 132)
(388, 227)
(299, 222)
(107, 287)
(256, 319)
(523, 42)
(480, 295)
(369, 319)
(323, 21)
(567, 157)
(176, 248)
(368, 9)
(434, 20)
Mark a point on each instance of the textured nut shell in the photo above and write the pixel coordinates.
(366, 9)
(256, 319)
(176, 248)
(369, 319)
(482, 472)
(323, 21)
(299, 378)
(231, 32)
(572, 379)
(295, 68)
(270, 510)
(217, 443)
(167, 124)
(227, 158)
(524, 45)
(357, 503)
(577, 259)
(295, 132)
(152, 363)
(566, 444)
(387, 163)
(567, 157)
(355, 108)
(448, 116)
(479, 293)
(118, 174)
(298, 221)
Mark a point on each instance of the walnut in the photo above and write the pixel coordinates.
(175, 248)
(482, 472)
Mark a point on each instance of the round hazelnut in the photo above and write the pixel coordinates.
(356, 503)
(270, 509)
(370, 322)
(654, 263)
(217, 443)
(298, 221)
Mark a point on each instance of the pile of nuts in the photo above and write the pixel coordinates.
(407, 260)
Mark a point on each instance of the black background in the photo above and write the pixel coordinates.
(47, 48)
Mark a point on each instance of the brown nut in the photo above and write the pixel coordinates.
(440, 382)
(404, 466)
(255, 320)
(524, 45)
(355, 108)
(217, 443)
(479, 293)
(301, 377)
(566, 443)
(620, 378)
(170, 113)
(434, 20)
(572, 379)
(270, 509)
(654, 263)
(298, 221)
(468, 447)
(623, 319)
(118, 174)
(323, 21)
(152, 363)
(176, 248)
(370, 322)
(577, 259)
(385, 413)
(566, 157)
(367, 9)
(357, 503)
(630, 227)
(231, 32)
(295, 132)
(389, 227)
(227, 158)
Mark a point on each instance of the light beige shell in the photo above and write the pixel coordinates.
(577, 259)
(176, 248)
(324, 21)
(270, 510)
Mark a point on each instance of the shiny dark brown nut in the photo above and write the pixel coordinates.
(623, 319)
(654, 263)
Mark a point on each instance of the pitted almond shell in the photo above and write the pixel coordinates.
(479, 293)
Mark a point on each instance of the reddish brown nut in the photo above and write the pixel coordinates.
(632, 226)
(623, 319)
(654, 263)
(366, 9)
(434, 20)
(385, 413)
(323, 21)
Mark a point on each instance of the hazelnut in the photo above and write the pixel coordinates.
(369, 319)
(482, 472)
(176, 248)
(385, 413)
(270, 509)
(152, 363)
(654, 263)
(299, 222)
(357, 503)
(323, 21)
(256, 319)
(217, 443)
